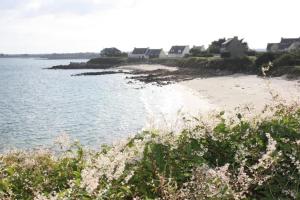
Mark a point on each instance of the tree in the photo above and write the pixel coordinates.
(245, 44)
(216, 45)
(111, 52)
(195, 51)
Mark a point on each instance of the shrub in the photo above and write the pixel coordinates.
(108, 61)
(198, 52)
(225, 54)
(192, 62)
(187, 55)
(287, 60)
(235, 65)
(215, 46)
(204, 54)
(263, 59)
(232, 158)
(251, 53)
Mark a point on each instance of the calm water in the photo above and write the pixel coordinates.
(37, 105)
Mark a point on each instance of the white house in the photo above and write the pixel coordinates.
(139, 53)
(178, 51)
(156, 53)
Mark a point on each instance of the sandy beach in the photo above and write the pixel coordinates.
(202, 96)
(238, 90)
(231, 91)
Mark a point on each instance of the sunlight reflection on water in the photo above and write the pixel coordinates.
(36, 105)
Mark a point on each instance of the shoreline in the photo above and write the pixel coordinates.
(223, 91)
(170, 70)
(239, 90)
(201, 97)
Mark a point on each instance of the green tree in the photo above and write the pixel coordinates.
(111, 52)
(216, 45)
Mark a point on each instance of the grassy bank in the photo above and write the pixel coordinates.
(218, 158)
(118, 61)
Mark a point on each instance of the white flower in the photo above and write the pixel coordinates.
(90, 179)
(266, 160)
(63, 140)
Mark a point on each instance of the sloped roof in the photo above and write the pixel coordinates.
(153, 52)
(140, 50)
(177, 49)
(229, 40)
(270, 45)
(287, 42)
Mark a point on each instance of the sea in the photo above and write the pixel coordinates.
(38, 105)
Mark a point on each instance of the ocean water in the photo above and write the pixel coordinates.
(37, 105)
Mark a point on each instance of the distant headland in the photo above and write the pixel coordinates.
(53, 56)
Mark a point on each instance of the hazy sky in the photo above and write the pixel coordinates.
(44, 26)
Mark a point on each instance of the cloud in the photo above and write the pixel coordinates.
(89, 25)
(33, 8)
(12, 4)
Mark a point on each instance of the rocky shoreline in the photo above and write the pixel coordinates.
(100, 73)
(185, 69)
(87, 65)
(160, 76)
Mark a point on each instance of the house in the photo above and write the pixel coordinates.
(285, 45)
(156, 53)
(178, 51)
(234, 48)
(295, 46)
(110, 52)
(139, 53)
(272, 47)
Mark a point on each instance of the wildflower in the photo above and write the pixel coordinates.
(90, 180)
(40, 197)
(266, 67)
(63, 140)
(266, 160)
(29, 163)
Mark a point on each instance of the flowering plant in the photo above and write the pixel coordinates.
(234, 158)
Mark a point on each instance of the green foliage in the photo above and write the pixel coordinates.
(204, 54)
(191, 62)
(112, 61)
(225, 55)
(282, 64)
(198, 52)
(265, 58)
(236, 65)
(22, 175)
(235, 157)
(287, 59)
(215, 46)
(111, 52)
(251, 53)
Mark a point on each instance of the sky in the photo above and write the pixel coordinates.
(47, 26)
